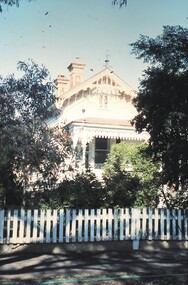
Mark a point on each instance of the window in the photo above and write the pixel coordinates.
(103, 101)
(101, 151)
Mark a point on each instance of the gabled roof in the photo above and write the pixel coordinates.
(112, 80)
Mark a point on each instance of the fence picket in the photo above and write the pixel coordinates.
(185, 217)
(86, 225)
(80, 225)
(122, 221)
(41, 226)
(162, 224)
(28, 227)
(35, 221)
(103, 224)
(61, 225)
(92, 214)
(110, 217)
(15, 227)
(150, 223)
(144, 218)
(48, 226)
(66, 225)
(134, 217)
(156, 223)
(137, 224)
(116, 217)
(54, 226)
(179, 225)
(74, 225)
(132, 225)
(127, 224)
(8, 226)
(22, 223)
(167, 224)
(2, 219)
(98, 224)
(174, 224)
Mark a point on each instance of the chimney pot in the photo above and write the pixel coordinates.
(76, 69)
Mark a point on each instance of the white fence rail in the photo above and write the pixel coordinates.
(52, 226)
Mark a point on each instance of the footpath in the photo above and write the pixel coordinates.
(26, 266)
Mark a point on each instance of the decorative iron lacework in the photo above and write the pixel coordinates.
(87, 134)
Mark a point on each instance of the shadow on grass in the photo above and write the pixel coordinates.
(26, 264)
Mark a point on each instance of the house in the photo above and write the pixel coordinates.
(97, 111)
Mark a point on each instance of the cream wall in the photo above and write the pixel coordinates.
(112, 107)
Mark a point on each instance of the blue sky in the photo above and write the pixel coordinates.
(55, 32)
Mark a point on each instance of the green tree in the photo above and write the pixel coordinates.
(84, 191)
(119, 159)
(162, 101)
(27, 144)
(132, 176)
(121, 190)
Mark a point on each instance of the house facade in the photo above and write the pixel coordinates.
(98, 112)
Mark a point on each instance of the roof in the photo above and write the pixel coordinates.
(92, 82)
(104, 121)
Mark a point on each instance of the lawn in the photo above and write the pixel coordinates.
(118, 279)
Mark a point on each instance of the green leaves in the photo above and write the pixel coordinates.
(162, 100)
(119, 159)
(132, 178)
(167, 51)
(27, 144)
(83, 191)
(10, 3)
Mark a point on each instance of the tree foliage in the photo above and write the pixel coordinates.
(27, 144)
(83, 191)
(138, 187)
(162, 101)
(131, 176)
(10, 3)
(16, 3)
(120, 3)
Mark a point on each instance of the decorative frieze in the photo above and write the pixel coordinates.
(86, 134)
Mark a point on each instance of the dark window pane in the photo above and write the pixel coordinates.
(100, 156)
(101, 143)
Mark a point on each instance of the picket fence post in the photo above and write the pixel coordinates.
(2, 219)
(42, 221)
(110, 217)
(156, 223)
(185, 217)
(61, 225)
(135, 228)
(98, 224)
(92, 213)
(86, 224)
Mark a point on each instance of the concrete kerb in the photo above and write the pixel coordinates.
(82, 247)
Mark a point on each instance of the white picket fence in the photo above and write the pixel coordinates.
(89, 225)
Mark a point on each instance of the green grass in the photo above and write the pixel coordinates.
(116, 279)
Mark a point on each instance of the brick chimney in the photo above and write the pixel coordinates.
(76, 69)
(61, 82)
